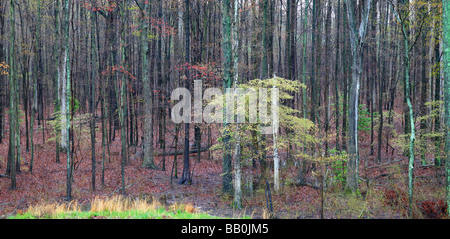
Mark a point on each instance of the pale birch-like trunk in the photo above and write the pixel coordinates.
(66, 86)
(237, 152)
(356, 42)
(276, 159)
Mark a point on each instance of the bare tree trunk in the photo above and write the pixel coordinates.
(337, 71)
(122, 109)
(66, 85)
(327, 74)
(446, 37)
(186, 175)
(148, 103)
(12, 103)
(227, 186)
(237, 156)
(3, 78)
(356, 43)
(93, 89)
(381, 83)
(57, 78)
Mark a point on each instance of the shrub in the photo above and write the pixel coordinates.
(433, 210)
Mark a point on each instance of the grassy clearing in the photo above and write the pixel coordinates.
(160, 213)
(113, 208)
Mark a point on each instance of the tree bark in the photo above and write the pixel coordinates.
(57, 78)
(237, 153)
(446, 48)
(148, 161)
(337, 71)
(34, 83)
(327, 74)
(12, 102)
(123, 100)
(66, 84)
(227, 81)
(93, 89)
(404, 11)
(356, 42)
(186, 175)
(3, 78)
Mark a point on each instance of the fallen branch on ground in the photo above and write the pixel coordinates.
(181, 152)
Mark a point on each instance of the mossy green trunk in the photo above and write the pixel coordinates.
(227, 80)
(412, 134)
(12, 103)
(446, 38)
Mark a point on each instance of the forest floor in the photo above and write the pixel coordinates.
(383, 186)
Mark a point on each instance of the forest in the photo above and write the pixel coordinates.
(234, 108)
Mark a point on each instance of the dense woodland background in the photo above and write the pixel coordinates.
(85, 103)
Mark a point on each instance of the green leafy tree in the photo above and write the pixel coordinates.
(296, 134)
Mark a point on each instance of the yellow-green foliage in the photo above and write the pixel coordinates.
(296, 132)
(423, 136)
(79, 123)
(4, 68)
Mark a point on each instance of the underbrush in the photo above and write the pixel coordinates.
(385, 198)
(428, 201)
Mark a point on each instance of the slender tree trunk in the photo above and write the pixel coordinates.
(327, 74)
(356, 43)
(345, 66)
(381, 83)
(437, 91)
(305, 37)
(301, 173)
(186, 175)
(159, 77)
(67, 95)
(35, 76)
(227, 81)
(411, 125)
(424, 90)
(237, 153)
(313, 62)
(26, 72)
(446, 38)
(372, 77)
(288, 45)
(63, 81)
(265, 7)
(93, 90)
(404, 10)
(12, 101)
(103, 106)
(123, 110)
(3, 77)
(337, 71)
(56, 52)
(148, 105)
